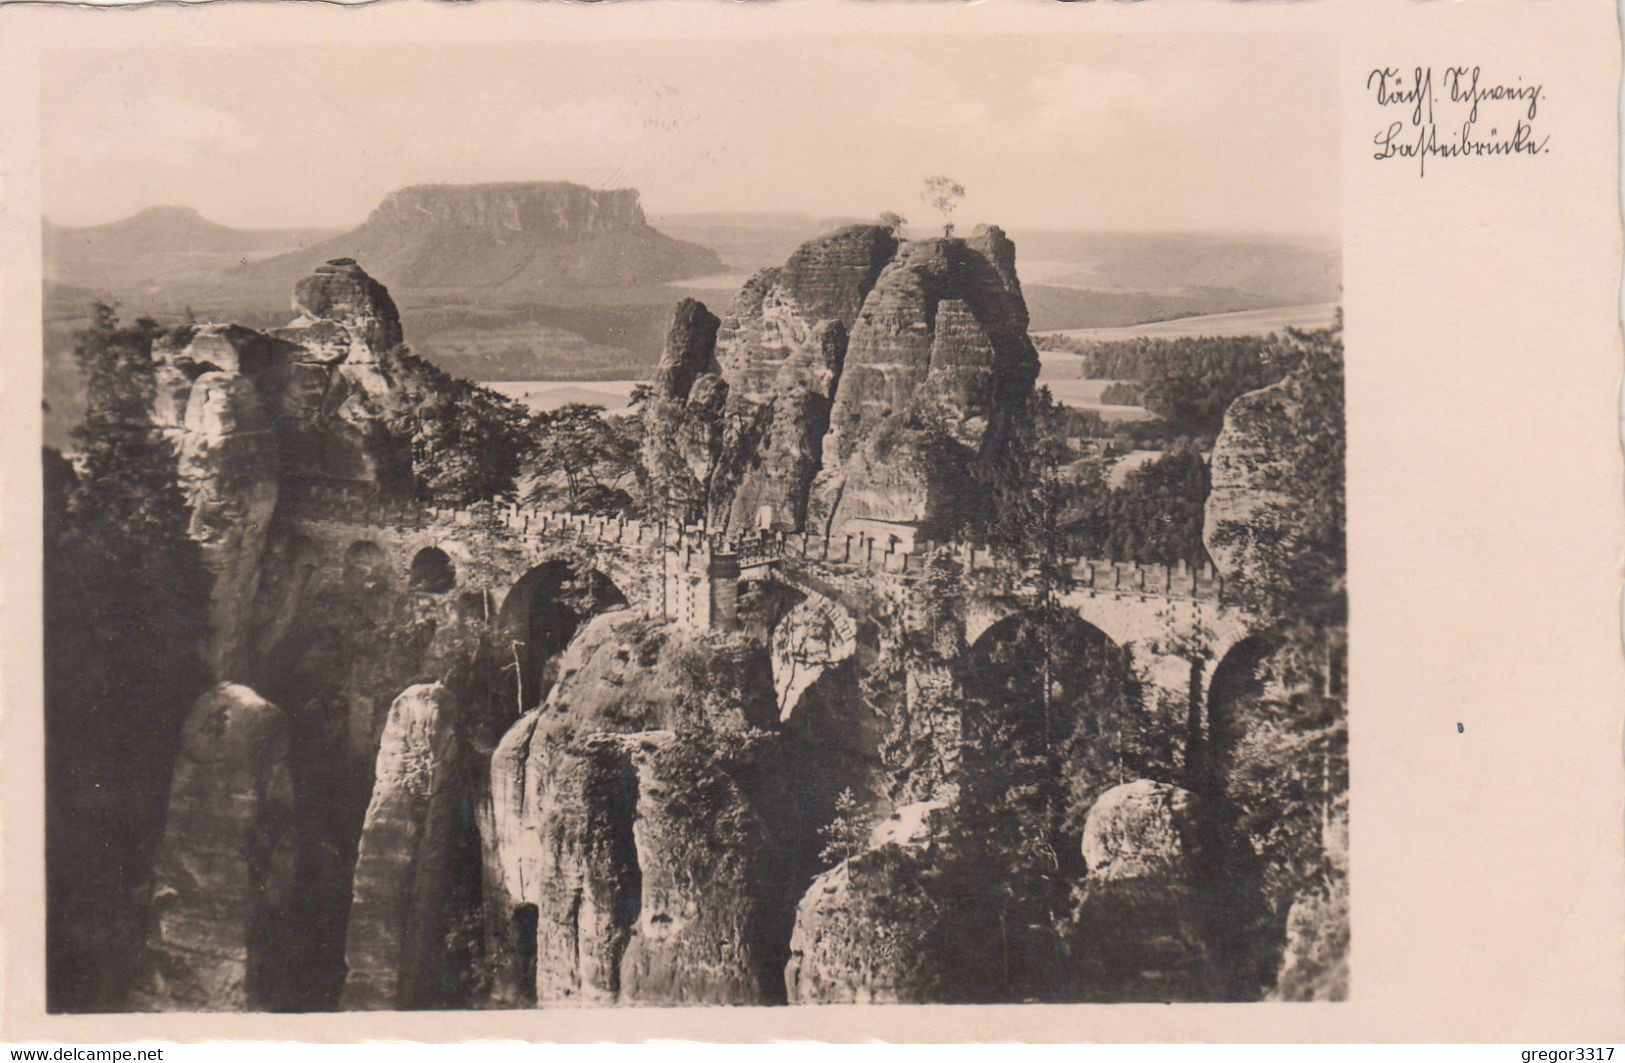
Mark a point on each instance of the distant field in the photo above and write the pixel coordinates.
(1085, 395)
(545, 395)
(1238, 323)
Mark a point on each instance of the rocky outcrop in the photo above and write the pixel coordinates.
(399, 912)
(554, 207)
(224, 870)
(1170, 908)
(1142, 830)
(864, 380)
(327, 392)
(561, 845)
(229, 469)
(690, 351)
(813, 637)
(633, 847)
(1246, 470)
(871, 930)
(776, 357)
(938, 375)
(248, 411)
(320, 379)
(344, 315)
(716, 893)
(1274, 518)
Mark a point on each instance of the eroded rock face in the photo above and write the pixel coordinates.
(1144, 830)
(229, 469)
(716, 896)
(777, 353)
(690, 350)
(396, 943)
(224, 870)
(628, 863)
(862, 381)
(320, 379)
(1274, 519)
(555, 207)
(869, 930)
(561, 819)
(813, 637)
(344, 314)
(1170, 909)
(938, 373)
(528, 236)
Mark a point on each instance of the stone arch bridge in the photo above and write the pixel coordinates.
(1171, 617)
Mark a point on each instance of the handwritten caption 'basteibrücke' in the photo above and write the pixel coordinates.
(1454, 112)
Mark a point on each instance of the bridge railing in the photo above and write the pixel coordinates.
(1180, 580)
(350, 504)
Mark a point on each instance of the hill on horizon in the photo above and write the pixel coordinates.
(158, 246)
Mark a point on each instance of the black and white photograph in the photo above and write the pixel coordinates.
(761, 519)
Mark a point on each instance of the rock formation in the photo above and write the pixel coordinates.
(715, 897)
(1169, 908)
(938, 373)
(224, 870)
(841, 795)
(773, 361)
(620, 819)
(248, 410)
(228, 463)
(1274, 519)
(863, 381)
(814, 636)
(344, 315)
(870, 930)
(561, 844)
(396, 946)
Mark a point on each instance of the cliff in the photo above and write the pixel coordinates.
(1274, 518)
(939, 372)
(866, 380)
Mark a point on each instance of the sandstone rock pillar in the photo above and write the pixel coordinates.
(398, 920)
(225, 864)
(229, 470)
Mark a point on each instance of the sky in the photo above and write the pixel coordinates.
(1125, 133)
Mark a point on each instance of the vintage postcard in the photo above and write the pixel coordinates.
(1020, 521)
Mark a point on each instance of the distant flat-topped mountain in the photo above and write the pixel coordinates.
(522, 238)
(515, 236)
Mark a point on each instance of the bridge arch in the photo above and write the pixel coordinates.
(367, 566)
(432, 571)
(542, 612)
(1235, 679)
(1004, 671)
